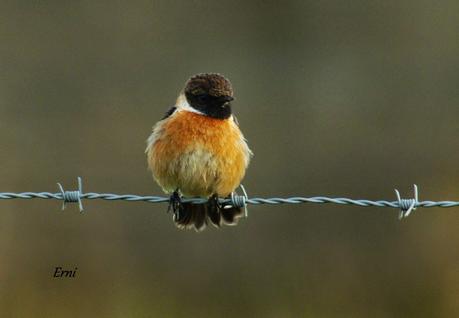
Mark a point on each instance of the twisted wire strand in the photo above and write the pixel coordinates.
(406, 206)
(254, 201)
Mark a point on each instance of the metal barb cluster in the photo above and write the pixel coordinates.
(72, 196)
(406, 206)
(240, 201)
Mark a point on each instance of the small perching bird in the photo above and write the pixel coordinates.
(197, 150)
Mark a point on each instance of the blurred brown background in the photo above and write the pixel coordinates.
(336, 98)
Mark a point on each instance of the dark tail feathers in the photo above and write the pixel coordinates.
(197, 216)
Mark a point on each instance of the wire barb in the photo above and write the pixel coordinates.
(240, 201)
(72, 196)
(407, 205)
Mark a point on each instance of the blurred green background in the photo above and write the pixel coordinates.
(338, 98)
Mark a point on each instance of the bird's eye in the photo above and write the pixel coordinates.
(202, 98)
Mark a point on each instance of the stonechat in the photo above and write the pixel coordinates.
(198, 150)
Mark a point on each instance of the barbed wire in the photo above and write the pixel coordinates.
(406, 206)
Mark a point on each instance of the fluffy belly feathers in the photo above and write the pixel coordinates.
(197, 154)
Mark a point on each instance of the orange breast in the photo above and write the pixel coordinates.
(199, 155)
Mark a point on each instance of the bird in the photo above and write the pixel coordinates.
(198, 150)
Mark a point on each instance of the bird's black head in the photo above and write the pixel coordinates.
(210, 94)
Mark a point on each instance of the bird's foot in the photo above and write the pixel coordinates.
(213, 202)
(213, 210)
(175, 204)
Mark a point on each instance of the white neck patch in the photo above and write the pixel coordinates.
(183, 105)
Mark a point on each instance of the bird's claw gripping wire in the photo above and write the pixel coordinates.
(175, 204)
(214, 202)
